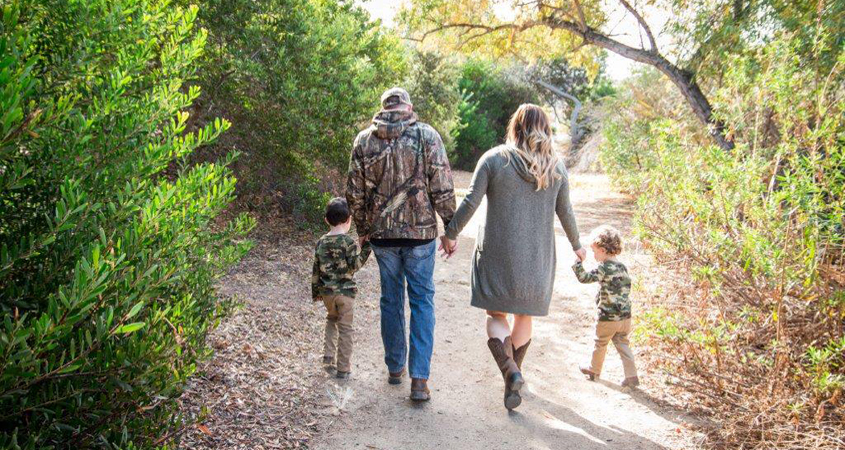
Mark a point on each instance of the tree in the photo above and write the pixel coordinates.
(559, 81)
(491, 93)
(297, 78)
(433, 85)
(535, 24)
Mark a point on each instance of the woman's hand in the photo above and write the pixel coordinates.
(448, 246)
(581, 253)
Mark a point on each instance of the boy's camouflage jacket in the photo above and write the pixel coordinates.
(613, 297)
(399, 178)
(336, 259)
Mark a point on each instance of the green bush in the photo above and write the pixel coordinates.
(491, 94)
(433, 85)
(762, 231)
(298, 78)
(109, 245)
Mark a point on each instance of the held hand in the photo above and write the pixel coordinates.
(448, 246)
(581, 254)
(362, 239)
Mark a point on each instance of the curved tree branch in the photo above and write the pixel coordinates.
(683, 79)
(652, 42)
(574, 129)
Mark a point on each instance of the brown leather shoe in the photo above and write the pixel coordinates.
(631, 382)
(588, 371)
(395, 377)
(419, 390)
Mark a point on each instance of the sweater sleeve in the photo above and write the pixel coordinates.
(477, 191)
(563, 208)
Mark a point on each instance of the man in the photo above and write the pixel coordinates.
(399, 178)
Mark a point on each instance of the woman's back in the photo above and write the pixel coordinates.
(515, 250)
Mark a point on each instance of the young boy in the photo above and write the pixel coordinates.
(336, 259)
(614, 316)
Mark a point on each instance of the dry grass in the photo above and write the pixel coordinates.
(259, 389)
(739, 405)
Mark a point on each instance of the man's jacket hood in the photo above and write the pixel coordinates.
(391, 124)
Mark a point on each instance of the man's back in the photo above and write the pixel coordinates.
(399, 179)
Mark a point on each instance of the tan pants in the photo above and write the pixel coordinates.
(339, 328)
(618, 333)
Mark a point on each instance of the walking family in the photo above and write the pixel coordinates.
(399, 182)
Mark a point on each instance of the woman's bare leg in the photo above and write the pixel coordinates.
(521, 330)
(497, 325)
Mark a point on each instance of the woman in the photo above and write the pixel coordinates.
(513, 266)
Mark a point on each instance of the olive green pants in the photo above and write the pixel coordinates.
(339, 332)
(617, 332)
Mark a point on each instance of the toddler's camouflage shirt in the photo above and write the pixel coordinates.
(613, 297)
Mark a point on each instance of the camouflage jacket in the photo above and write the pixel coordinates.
(613, 297)
(336, 259)
(399, 178)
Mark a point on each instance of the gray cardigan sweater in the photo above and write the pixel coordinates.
(513, 266)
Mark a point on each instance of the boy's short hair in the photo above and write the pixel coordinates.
(337, 211)
(608, 238)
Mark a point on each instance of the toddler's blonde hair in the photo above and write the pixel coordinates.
(608, 238)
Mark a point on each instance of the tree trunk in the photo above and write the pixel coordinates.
(574, 129)
(684, 80)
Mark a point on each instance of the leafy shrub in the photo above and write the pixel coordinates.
(433, 85)
(491, 94)
(108, 243)
(298, 78)
(760, 228)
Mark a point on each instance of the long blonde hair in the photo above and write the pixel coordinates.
(530, 138)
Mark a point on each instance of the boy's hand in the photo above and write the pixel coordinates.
(362, 239)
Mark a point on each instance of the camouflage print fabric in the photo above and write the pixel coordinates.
(399, 178)
(336, 259)
(613, 297)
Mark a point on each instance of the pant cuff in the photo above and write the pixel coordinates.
(424, 377)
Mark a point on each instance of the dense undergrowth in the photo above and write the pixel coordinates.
(761, 230)
(110, 243)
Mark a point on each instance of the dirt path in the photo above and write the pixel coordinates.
(561, 410)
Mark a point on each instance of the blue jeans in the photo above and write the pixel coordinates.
(416, 265)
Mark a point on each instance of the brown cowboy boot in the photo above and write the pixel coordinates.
(519, 354)
(503, 354)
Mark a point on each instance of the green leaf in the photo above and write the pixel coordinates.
(130, 327)
(135, 309)
(71, 368)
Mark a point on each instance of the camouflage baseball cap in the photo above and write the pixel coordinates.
(395, 96)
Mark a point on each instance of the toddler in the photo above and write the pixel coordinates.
(614, 306)
(336, 259)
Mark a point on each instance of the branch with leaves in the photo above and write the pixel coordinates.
(470, 25)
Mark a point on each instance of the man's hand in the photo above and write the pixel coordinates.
(362, 239)
(581, 253)
(448, 246)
